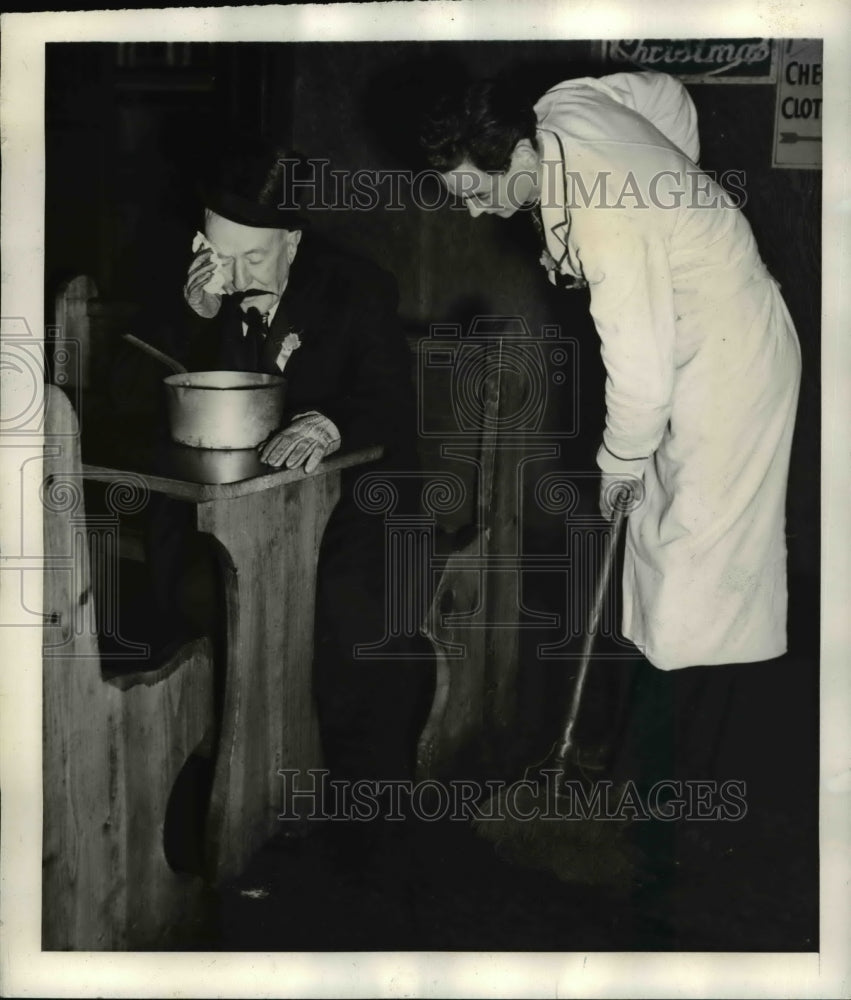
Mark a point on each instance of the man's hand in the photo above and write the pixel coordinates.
(308, 439)
(618, 491)
(201, 269)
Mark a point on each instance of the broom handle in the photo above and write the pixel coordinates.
(567, 737)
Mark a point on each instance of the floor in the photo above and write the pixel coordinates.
(749, 885)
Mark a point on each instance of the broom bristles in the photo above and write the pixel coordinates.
(534, 829)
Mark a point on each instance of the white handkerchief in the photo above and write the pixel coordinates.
(216, 284)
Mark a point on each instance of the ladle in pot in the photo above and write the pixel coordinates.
(154, 352)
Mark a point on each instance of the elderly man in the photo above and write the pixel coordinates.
(702, 360)
(281, 301)
(262, 293)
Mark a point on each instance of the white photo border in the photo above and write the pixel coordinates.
(25, 969)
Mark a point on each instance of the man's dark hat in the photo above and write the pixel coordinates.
(253, 183)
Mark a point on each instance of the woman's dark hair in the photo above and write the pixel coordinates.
(479, 122)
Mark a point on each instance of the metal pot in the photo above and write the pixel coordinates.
(213, 465)
(224, 410)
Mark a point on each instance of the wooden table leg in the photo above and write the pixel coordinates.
(268, 716)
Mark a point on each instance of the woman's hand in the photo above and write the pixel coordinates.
(619, 492)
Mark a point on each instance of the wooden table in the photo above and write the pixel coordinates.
(268, 525)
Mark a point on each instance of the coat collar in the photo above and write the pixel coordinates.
(306, 288)
(555, 215)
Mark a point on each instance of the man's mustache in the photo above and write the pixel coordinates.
(240, 296)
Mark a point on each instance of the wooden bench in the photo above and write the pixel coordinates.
(475, 696)
(113, 748)
(473, 621)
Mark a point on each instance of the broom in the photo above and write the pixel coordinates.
(546, 824)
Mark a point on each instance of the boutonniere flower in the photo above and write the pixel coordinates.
(290, 343)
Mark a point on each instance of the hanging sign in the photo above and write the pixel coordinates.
(798, 112)
(696, 60)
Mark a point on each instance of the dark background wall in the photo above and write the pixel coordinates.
(126, 124)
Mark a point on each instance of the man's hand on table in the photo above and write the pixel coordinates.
(308, 439)
(201, 270)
